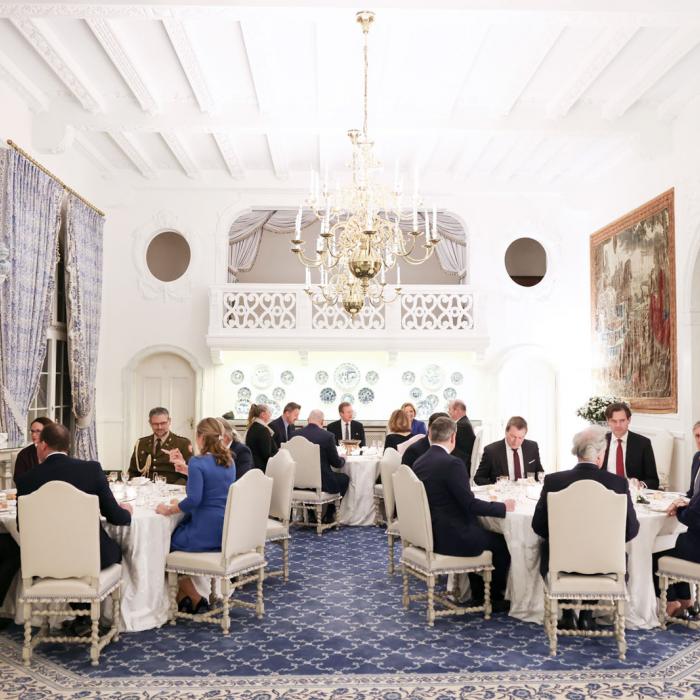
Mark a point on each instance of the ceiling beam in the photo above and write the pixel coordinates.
(115, 51)
(184, 159)
(13, 75)
(601, 55)
(190, 64)
(652, 70)
(229, 153)
(47, 45)
(674, 104)
(133, 153)
(471, 54)
(279, 155)
(98, 160)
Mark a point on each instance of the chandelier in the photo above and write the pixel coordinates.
(361, 239)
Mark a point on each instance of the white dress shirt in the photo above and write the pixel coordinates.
(611, 465)
(511, 461)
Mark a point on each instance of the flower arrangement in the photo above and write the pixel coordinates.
(594, 409)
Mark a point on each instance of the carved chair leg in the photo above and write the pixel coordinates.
(95, 632)
(226, 594)
(390, 542)
(405, 599)
(620, 629)
(260, 603)
(431, 599)
(285, 560)
(319, 524)
(553, 615)
(117, 611)
(27, 648)
(663, 600)
(172, 592)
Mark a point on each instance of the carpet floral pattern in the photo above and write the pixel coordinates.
(337, 629)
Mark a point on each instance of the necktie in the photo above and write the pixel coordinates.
(347, 431)
(516, 466)
(287, 428)
(158, 447)
(696, 483)
(619, 461)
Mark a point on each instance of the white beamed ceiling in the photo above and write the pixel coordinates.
(235, 96)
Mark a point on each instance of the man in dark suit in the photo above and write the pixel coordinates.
(420, 447)
(695, 464)
(283, 427)
(514, 456)
(454, 511)
(346, 428)
(631, 455)
(331, 482)
(589, 449)
(457, 410)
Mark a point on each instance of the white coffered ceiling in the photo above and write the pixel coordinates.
(539, 94)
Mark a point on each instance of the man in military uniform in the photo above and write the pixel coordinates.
(153, 452)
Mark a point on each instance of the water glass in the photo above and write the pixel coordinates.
(112, 477)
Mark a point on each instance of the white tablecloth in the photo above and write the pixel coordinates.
(525, 588)
(357, 507)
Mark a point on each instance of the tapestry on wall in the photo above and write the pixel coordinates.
(633, 307)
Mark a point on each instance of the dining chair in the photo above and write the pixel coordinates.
(387, 467)
(395, 458)
(308, 494)
(476, 454)
(241, 559)
(587, 562)
(60, 560)
(418, 558)
(676, 570)
(281, 469)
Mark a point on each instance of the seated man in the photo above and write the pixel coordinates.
(419, 447)
(283, 426)
(514, 457)
(457, 410)
(454, 511)
(695, 464)
(346, 428)
(331, 482)
(56, 465)
(589, 448)
(631, 455)
(152, 453)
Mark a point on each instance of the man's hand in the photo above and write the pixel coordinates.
(127, 507)
(163, 509)
(510, 505)
(675, 505)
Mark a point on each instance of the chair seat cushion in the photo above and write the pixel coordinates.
(443, 562)
(576, 584)
(209, 563)
(679, 567)
(68, 588)
(379, 490)
(276, 529)
(312, 497)
(393, 529)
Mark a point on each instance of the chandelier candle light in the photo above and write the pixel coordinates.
(361, 238)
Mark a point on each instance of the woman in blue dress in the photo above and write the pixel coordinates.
(209, 476)
(417, 426)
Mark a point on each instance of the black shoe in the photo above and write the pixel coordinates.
(312, 517)
(329, 517)
(201, 607)
(683, 614)
(472, 603)
(80, 627)
(586, 621)
(568, 620)
(500, 606)
(185, 605)
(5, 622)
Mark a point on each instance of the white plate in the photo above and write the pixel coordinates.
(658, 506)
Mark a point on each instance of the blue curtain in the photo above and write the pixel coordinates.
(83, 261)
(30, 207)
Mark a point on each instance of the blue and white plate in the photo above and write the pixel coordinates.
(278, 393)
(287, 377)
(242, 408)
(262, 377)
(456, 378)
(415, 393)
(408, 377)
(262, 398)
(347, 375)
(433, 377)
(237, 376)
(244, 394)
(449, 393)
(347, 397)
(365, 395)
(371, 377)
(433, 400)
(327, 395)
(321, 376)
(424, 409)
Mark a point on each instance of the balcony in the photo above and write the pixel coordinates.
(426, 317)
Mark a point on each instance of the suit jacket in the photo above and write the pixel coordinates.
(242, 457)
(88, 477)
(559, 481)
(261, 443)
(694, 466)
(414, 451)
(453, 507)
(688, 543)
(494, 461)
(328, 452)
(26, 459)
(464, 443)
(278, 428)
(160, 461)
(357, 431)
(639, 459)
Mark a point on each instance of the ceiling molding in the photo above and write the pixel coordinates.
(89, 151)
(115, 51)
(601, 55)
(279, 156)
(183, 158)
(472, 51)
(190, 64)
(656, 66)
(13, 75)
(133, 153)
(229, 153)
(49, 48)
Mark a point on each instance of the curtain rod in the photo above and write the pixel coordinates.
(45, 170)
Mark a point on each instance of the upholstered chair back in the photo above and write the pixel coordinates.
(281, 469)
(245, 522)
(388, 465)
(403, 446)
(587, 529)
(412, 509)
(662, 444)
(60, 532)
(476, 453)
(307, 457)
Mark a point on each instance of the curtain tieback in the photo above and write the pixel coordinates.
(83, 422)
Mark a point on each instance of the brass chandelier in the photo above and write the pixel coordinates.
(361, 237)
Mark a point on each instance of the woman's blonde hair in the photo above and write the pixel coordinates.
(408, 403)
(256, 410)
(398, 422)
(211, 430)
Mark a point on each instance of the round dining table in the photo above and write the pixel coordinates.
(357, 506)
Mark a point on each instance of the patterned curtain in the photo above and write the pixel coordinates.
(30, 208)
(83, 260)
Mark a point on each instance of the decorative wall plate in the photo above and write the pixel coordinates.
(347, 375)
(365, 395)
(408, 377)
(424, 409)
(433, 377)
(449, 393)
(415, 393)
(262, 377)
(244, 394)
(433, 400)
(372, 377)
(456, 378)
(278, 393)
(287, 377)
(347, 397)
(262, 398)
(242, 408)
(321, 376)
(275, 409)
(237, 376)
(327, 395)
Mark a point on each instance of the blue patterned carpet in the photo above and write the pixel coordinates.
(340, 615)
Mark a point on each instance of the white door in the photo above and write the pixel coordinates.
(164, 379)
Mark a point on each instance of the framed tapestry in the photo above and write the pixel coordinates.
(633, 307)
